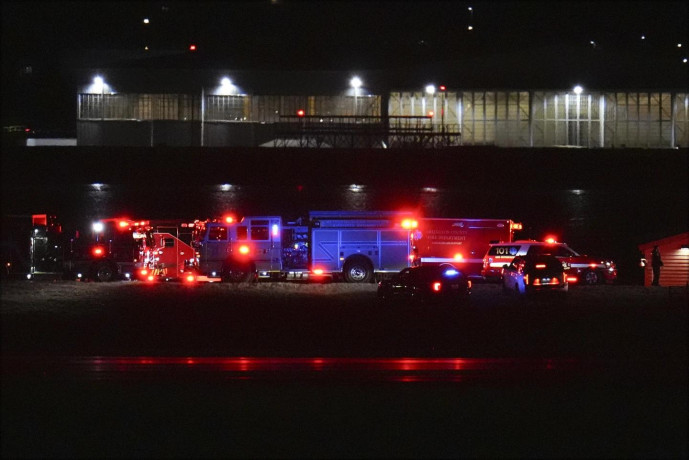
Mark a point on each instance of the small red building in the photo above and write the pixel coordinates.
(674, 252)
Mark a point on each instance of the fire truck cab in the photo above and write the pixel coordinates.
(237, 251)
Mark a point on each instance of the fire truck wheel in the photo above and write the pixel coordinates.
(104, 272)
(591, 277)
(358, 270)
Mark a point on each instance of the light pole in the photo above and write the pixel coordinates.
(355, 83)
(578, 90)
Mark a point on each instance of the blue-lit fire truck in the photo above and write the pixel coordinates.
(357, 246)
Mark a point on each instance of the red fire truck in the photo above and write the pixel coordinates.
(354, 245)
(108, 250)
(461, 242)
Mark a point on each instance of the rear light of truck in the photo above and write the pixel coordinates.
(437, 286)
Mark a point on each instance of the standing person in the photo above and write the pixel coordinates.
(656, 263)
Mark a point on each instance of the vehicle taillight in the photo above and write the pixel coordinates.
(190, 278)
(318, 271)
(437, 286)
(540, 265)
(144, 272)
(572, 279)
(98, 251)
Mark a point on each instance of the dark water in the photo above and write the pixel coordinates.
(600, 203)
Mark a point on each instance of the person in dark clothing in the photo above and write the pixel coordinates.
(656, 263)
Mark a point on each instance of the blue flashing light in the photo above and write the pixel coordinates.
(451, 272)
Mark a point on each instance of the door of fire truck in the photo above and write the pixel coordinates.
(258, 240)
(214, 248)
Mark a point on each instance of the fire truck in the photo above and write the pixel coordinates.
(357, 246)
(459, 241)
(107, 251)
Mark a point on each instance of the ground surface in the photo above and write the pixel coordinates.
(623, 396)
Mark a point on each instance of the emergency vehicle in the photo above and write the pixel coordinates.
(106, 251)
(578, 267)
(458, 241)
(354, 245)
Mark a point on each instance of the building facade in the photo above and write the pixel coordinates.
(227, 116)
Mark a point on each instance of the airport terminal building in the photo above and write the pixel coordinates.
(209, 108)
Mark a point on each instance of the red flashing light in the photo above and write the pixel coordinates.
(442, 88)
(98, 251)
(318, 271)
(243, 249)
(572, 279)
(229, 219)
(409, 223)
(550, 240)
(192, 47)
(516, 226)
(437, 286)
(458, 256)
(430, 113)
(190, 278)
(301, 113)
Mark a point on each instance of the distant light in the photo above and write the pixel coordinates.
(192, 47)
(442, 88)
(355, 82)
(470, 9)
(578, 89)
(470, 27)
(146, 48)
(679, 45)
(146, 21)
(98, 227)
(300, 113)
(430, 89)
(226, 81)
(643, 37)
(684, 60)
(98, 81)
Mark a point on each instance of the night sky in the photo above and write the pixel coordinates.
(511, 44)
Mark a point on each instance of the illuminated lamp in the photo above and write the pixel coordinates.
(192, 47)
(437, 286)
(229, 219)
(572, 279)
(98, 227)
(275, 230)
(318, 271)
(144, 272)
(243, 249)
(540, 265)
(550, 240)
(442, 88)
(409, 223)
(123, 224)
(458, 256)
(684, 249)
(151, 278)
(301, 113)
(516, 226)
(430, 113)
(190, 278)
(98, 251)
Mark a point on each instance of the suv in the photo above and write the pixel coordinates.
(579, 268)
